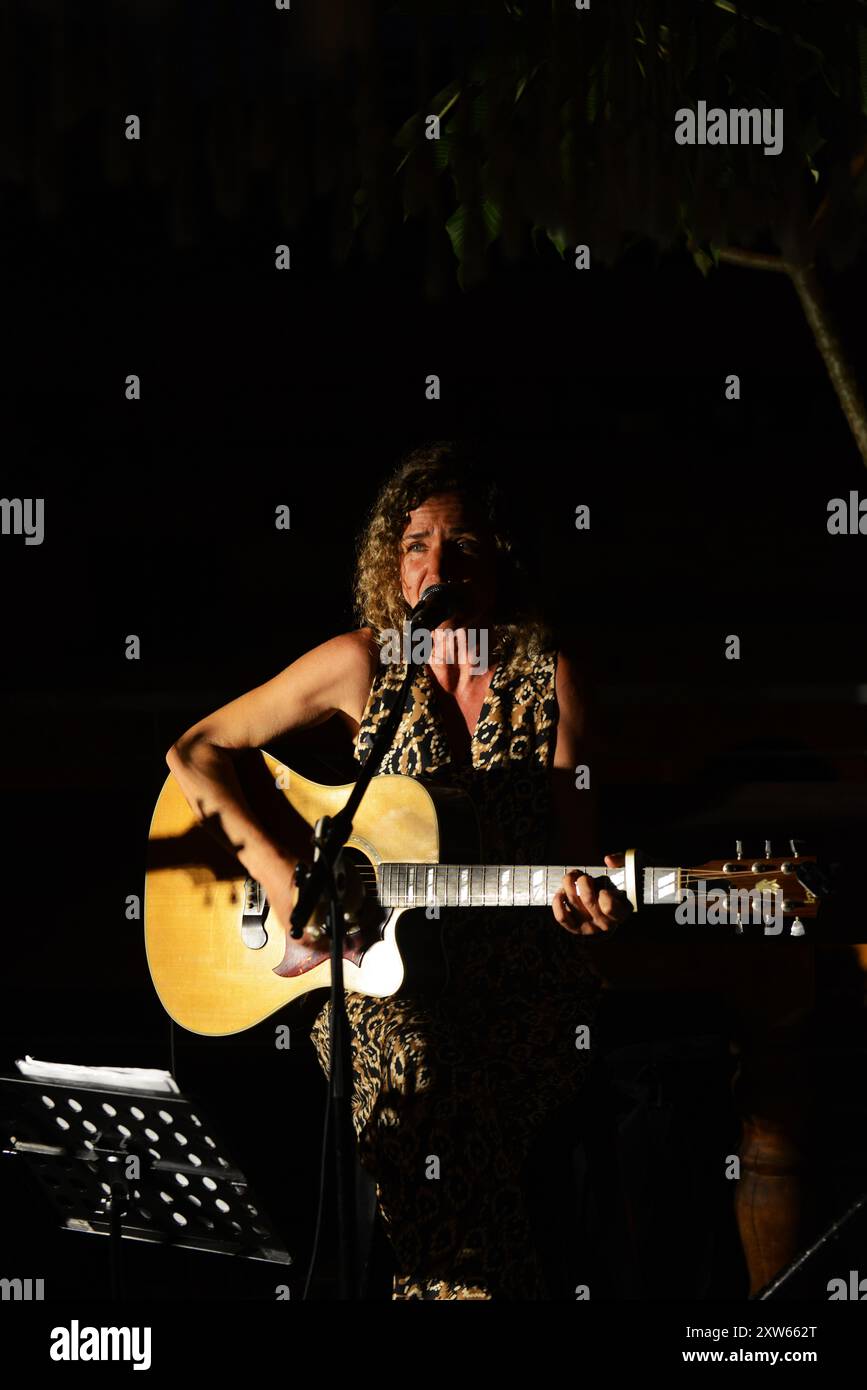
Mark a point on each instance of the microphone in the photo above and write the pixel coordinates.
(437, 602)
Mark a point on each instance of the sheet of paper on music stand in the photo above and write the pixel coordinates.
(113, 1078)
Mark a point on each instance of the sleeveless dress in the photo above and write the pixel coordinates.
(450, 1090)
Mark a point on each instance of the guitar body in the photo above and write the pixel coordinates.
(217, 970)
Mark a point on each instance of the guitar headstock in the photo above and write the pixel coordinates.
(788, 886)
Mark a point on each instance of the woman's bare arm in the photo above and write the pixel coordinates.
(335, 676)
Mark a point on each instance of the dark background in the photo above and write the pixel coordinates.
(302, 389)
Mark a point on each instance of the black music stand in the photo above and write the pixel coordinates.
(118, 1160)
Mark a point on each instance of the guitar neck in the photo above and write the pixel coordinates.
(511, 885)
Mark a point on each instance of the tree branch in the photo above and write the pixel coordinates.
(812, 298)
(754, 260)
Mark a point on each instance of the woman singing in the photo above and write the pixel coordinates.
(465, 1078)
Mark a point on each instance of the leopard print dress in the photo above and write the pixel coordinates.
(450, 1090)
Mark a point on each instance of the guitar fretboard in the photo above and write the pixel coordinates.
(504, 885)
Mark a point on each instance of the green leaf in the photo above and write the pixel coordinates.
(456, 227)
(592, 98)
(441, 151)
(704, 261)
(413, 129)
(492, 214)
(410, 132)
(559, 240)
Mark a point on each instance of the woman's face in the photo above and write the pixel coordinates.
(443, 544)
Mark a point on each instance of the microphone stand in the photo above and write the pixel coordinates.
(326, 878)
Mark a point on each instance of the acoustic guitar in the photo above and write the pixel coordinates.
(220, 967)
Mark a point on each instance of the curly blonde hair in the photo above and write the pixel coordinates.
(449, 466)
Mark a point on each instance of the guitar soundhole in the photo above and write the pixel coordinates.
(360, 934)
(372, 915)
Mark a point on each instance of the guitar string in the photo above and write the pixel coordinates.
(369, 876)
(435, 864)
(689, 876)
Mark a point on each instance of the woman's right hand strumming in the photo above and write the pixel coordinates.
(282, 891)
